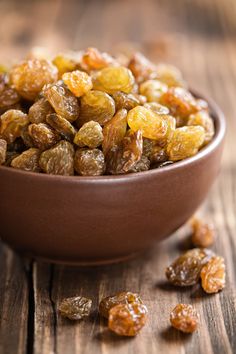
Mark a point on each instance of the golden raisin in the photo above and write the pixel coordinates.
(203, 119)
(62, 126)
(78, 82)
(170, 75)
(157, 108)
(203, 234)
(90, 134)
(3, 151)
(152, 89)
(75, 308)
(27, 160)
(43, 136)
(64, 63)
(39, 110)
(184, 318)
(141, 67)
(92, 59)
(213, 275)
(11, 124)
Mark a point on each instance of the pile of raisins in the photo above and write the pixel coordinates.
(85, 113)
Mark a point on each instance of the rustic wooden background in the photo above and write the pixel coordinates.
(199, 36)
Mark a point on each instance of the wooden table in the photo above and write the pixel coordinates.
(198, 36)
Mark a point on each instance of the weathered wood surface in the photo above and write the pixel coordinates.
(199, 37)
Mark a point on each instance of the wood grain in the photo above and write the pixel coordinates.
(199, 37)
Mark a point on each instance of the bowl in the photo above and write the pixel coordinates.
(94, 220)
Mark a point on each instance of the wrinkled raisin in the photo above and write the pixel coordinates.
(78, 82)
(90, 134)
(75, 308)
(59, 160)
(185, 270)
(213, 275)
(62, 126)
(39, 110)
(184, 318)
(89, 162)
(11, 124)
(3, 151)
(64, 63)
(170, 75)
(9, 98)
(142, 165)
(92, 59)
(141, 67)
(27, 160)
(126, 100)
(152, 89)
(203, 234)
(204, 120)
(43, 136)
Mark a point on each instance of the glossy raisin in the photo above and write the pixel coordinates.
(64, 63)
(213, 275)
(125, 297)
(62, 126)
(203, 119)
(127, 319)
(123, 158)
(142, 165)
(63, 101)
(11, 124)
(126, 100)
(30, 76)
(184, 318)
(43, 136)
(75, 308)
(92, 59)
(3, 151)
(89, 162)
(59, 160)
(153, 89)
(114, 131)
(97, 106)
(39, 110)
(90, 134)
(78, 82)
(112, 79)
(185, 270)
(203, 234)
(27, 160)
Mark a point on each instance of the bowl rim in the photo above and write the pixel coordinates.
(220, 124)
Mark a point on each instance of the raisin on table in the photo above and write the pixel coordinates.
(75, 308)
(184, 318)
(89, 162)
(27, 160)
(203, 233)
(213, 275)
(90, 134)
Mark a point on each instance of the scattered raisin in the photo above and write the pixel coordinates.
(27, 160)
(213, 275)
(89, 162)
(184, 318)
(75, 308)
(203, 234)
(90, 134)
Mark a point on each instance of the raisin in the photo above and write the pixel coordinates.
(157, 108)
(204, 120)
(27, 161)
(185, 270)
(180, 103)
(75, 308)
(89, 162)
(170, 75)
(62, 126)
(123, 158)
(30, 76)
(185, 142)
(114, 130)
(18, 144)
(213, 275)
(43, 136)
(158, 155)
(90, 134)
(142, 165)
(127, 319)
(184, 318)
(141, 67)
(125, 297)
(64, 63)
(92, 59)
(78, 82)
(26, 138)
(97, 106)
(39, 110)
(112, 79)
(58, 160)
(152, 89)
(63, 101)
(3, 151)
(11, 124)
(126, 100)
(10, 155)
(151, 124)
(9, 98)
(203, 234)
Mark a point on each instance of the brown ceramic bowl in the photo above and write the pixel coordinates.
(92, 220)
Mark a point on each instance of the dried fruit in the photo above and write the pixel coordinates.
(185, 270)
(59, 160)
(185, 142)
(27, 160)
(30, 76)
(39, 110)
(92, 59)
(203, 233)
(141, 67)
(170, 75)
(62, 126)
(213, 275)
(123, 158)
(127, 100)
(125, 297)
(11, 124)
(43, 136)
(112, 79)
(75, 308)
(10, 155)
(184, 318)
(64, 63)
(127, 320)
(89, 162)
(3, 151)
(153, 89)
(114, 131)
(157, 108)
(142, 165)
(97, 106)
(26, 138)
(90, 134)
(78, 82)
(9, 98)
(63, 101)
(203, 119)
